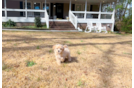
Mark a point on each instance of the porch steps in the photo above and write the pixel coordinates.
(56, 25)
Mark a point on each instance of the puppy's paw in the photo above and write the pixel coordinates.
(59, 62)
(69, 59)
(62, 59)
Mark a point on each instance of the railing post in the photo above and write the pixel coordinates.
(85, 9)
(26, 8)
(113, 18)
(5, 8)
(76, 22)
(99, 12)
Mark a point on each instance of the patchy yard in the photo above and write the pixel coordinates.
(99, 60)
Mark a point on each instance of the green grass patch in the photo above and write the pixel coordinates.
(81, 40)
(30, 63)
(28, 27)
(78, 52)
(50, 51)
(38, 47)
(38, 79)
(6, 67)
(67, 42)
(80, 83)
(127, 53)
(64, 65)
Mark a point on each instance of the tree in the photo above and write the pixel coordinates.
(121, 7)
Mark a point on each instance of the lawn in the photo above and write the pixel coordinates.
(98, 60)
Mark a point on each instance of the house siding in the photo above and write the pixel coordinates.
(16, 5)
(13, 5)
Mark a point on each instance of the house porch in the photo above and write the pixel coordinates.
(75, 11)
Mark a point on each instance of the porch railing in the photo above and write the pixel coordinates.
(27, 15)
(73, 19)
(93, 15)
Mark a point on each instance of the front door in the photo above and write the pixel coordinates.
(59, 10)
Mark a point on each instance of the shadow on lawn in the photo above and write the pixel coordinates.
(6, 49)
(29, 38)
(107, 70)
(74, 59)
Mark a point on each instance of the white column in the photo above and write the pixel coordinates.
(5, 8)
(113, 18)
(45, 5)
(26, 8)
(99, 12)
(45, 9)
(70, 6)
(69, 9)
(85, 9)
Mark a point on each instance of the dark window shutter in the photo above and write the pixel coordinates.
(91, 7)
(73, 7)
(52, 9)
(21, 7)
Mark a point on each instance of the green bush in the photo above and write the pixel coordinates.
(9, 23)
(127, 24)
(37, 22)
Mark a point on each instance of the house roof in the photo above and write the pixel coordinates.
(74, 1)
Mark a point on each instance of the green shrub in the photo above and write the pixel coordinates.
(37, 22)
(9, 23)
(127, 24)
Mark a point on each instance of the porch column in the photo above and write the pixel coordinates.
(5, 8)
(85, 10)
(70, 6)
(26, 8)
(113, 18)
(45, 5)
(99, 12)
(45, 9)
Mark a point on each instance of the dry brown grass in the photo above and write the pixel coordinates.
(99, 60)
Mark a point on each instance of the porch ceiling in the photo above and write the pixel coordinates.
(74, 1)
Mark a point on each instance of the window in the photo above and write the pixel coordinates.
(28, 5)
(36, 5)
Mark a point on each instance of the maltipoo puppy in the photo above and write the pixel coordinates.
(61, 53)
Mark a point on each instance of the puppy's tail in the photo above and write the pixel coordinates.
(65, 46)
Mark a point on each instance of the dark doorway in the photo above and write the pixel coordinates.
(59, 10)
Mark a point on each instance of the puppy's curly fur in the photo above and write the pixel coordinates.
(61, 53)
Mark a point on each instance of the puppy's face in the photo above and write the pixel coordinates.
(58, 48)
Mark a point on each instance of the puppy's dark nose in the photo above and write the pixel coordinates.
(58, 50)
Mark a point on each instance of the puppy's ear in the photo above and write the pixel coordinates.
(65, 46)
(54, 47)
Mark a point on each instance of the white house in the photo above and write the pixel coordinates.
(74, 11)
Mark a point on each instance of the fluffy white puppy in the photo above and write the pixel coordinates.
(61, 53)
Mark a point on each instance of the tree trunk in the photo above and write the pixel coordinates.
(125, 9)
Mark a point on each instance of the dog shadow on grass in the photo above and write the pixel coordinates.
(73, 59)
